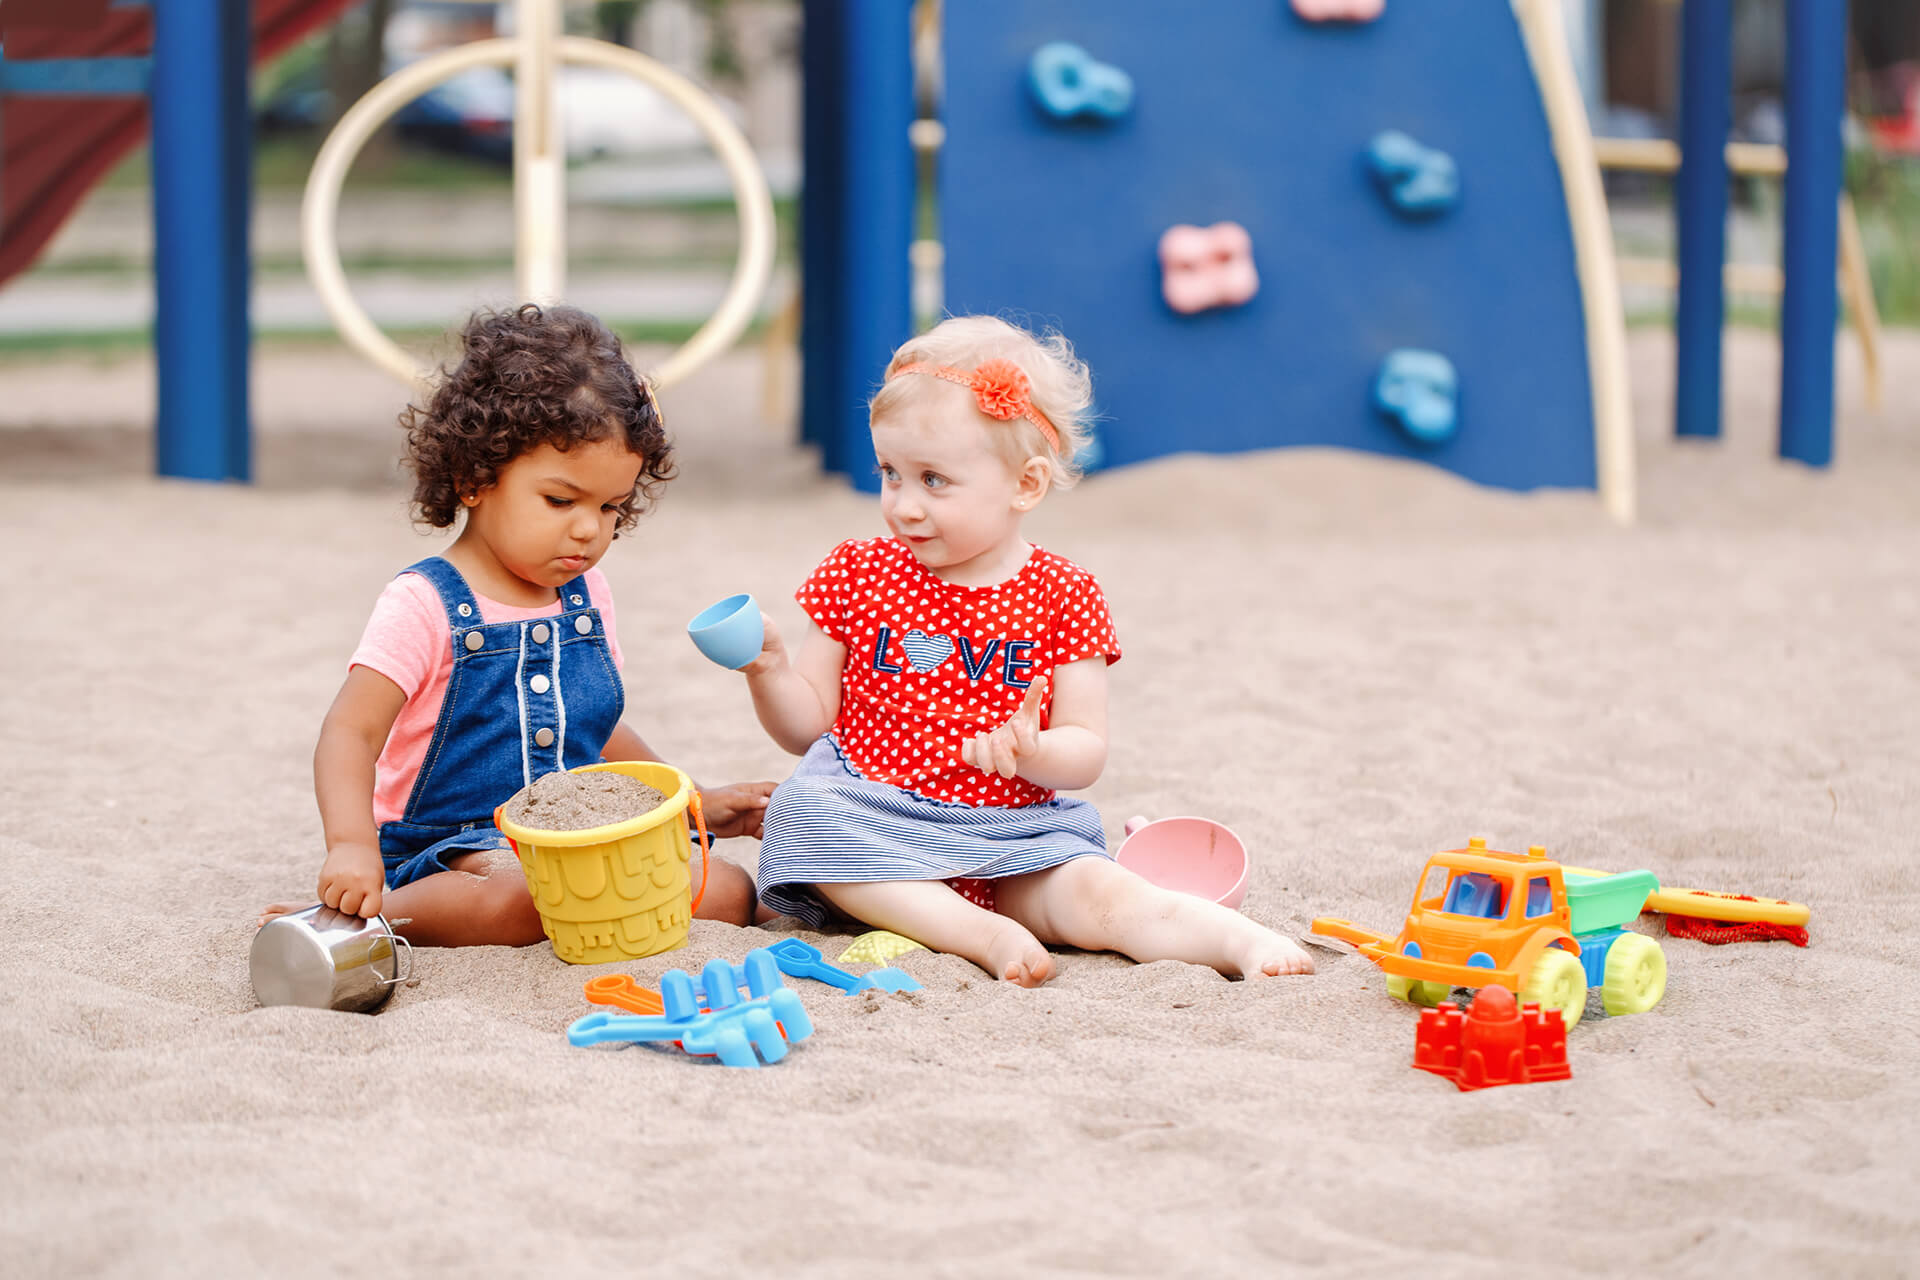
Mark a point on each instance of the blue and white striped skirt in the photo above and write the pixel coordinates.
(827, 824)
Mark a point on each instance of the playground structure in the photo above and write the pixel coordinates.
(78, 83)
(539, 172)
(1262, 117)
(1757, 159)
(1502, 300)
(195, 78)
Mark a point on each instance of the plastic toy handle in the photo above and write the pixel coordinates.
(1347, 931)
(798, 958)
(622, 992)
(706, 866)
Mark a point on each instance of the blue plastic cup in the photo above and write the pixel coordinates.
(730, 633)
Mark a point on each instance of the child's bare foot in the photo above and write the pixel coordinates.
(1015, 955)
(279, 909)
(1265, 954)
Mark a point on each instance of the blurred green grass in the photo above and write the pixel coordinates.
(107, 345)
(283, 161)
(1885, 190)
(1886, 198)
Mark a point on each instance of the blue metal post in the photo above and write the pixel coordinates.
(201, 174)
(878, 175)
(1816, 104)
(1700, 206)
(821, 225)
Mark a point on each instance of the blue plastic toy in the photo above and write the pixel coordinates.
(1069, 82)
(740, 1032)
(1418, 181)
(798, 958)
(1420, 391)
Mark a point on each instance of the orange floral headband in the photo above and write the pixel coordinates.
(1000, 388)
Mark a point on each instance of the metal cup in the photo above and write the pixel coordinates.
(325, 959)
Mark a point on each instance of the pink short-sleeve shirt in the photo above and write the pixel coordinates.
(408, 641)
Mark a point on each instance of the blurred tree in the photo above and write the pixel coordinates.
(1886, 32)
(724, 63)
(356, 57)
(355, 52)
(613, 19)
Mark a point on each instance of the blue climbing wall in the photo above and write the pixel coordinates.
(1244, 112)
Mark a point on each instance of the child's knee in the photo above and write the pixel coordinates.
(510, 911)
(729, 895)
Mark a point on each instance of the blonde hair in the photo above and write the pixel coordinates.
(1061, 386)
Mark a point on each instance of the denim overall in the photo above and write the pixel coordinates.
(523, 699)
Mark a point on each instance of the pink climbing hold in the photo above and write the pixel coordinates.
(1206, 267)
(1339, 10)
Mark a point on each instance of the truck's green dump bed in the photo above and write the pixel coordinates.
(1607, 902)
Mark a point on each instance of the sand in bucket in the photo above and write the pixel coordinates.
(581, 801)
(605, 851)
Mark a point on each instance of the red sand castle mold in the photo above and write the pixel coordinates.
(1494, 1042)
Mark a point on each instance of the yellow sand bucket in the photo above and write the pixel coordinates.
(620, 891)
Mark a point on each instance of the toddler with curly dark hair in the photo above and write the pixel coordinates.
(495, 663)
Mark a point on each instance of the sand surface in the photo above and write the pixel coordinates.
(1352, 661)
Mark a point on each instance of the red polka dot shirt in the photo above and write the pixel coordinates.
(930, 665)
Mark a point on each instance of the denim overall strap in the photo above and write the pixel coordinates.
(523, 699)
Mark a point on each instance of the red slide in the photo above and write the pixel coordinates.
(52, 150)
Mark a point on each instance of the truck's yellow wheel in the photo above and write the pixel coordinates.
(1636, 975)
(1557, 982)
(1415, 991)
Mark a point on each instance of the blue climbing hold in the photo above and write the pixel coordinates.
(1418, 181)
(1420, 391)
(1069, 82)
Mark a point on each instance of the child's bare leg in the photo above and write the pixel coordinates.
(452, 910)
(729, 895)
(1096, 904)
(934, 914)
(480, 901)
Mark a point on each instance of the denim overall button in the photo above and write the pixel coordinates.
(544, 738)
(576, 599)
(473, 640)
(466, 611)
(583, 624)
(540, 633)
(538, 684)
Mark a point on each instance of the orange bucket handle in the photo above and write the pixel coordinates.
(706, 866)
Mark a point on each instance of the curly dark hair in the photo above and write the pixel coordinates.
(527, 377)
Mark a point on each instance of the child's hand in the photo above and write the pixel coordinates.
(735, 810)
(1002, 750)
(352, 879)
(773, 652)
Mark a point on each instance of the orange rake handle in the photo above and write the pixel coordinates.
(620, 991)
(706, 864)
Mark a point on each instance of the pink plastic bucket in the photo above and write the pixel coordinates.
(1189, 855)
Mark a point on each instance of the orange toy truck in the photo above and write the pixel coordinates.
(1481, 916)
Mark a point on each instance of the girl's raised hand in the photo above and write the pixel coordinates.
(1002, 750)
(772, 650)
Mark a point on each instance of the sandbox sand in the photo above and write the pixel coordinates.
(1352, 661)
(580, 801)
